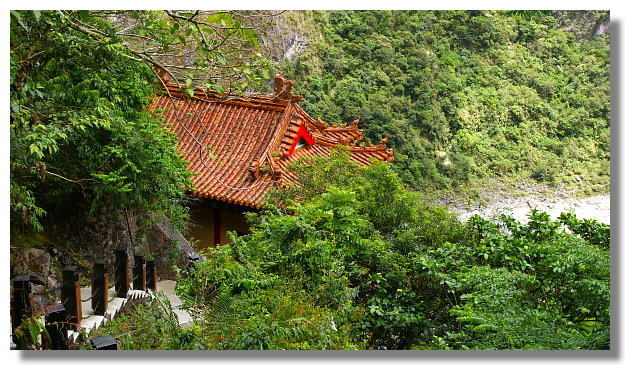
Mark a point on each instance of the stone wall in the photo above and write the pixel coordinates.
(83, 239)
(168, 246)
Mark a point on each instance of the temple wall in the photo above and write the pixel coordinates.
(209, 224)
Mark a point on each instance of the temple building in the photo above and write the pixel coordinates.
(239, 148)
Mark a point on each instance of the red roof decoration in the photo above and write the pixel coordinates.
(304, 135)
(239, 148)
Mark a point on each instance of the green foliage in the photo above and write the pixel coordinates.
(149, 326)
(202, 48)
(591, 230)
(314, 279)
(359, 262)
(79, 128)
(465, 94)
(250, 299)
(530, 286)
(30, 331)
(394, 210)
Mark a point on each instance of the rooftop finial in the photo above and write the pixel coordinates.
(382, 143)
(283, 87)
(162, 73)
(321, 125)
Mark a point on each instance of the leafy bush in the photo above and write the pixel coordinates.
(80, 131)
(518, 286)
(148, 326)
(359, 262)
(591, 230)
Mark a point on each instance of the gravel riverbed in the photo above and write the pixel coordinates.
(519, 206)
(597, 207)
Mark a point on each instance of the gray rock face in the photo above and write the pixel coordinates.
(38, 263)
(295, 46)
(32, 261)
(164, 242)
(602, 28)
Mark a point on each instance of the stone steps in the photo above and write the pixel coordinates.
(168, 288)
(115, 306)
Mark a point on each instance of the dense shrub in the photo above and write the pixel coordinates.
(358, 262)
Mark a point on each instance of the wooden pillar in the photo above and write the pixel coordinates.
(151, 275)
(57, 327)
(217, 227)
(71, 294)
(99, 290)
(22, 304)
(139, 273)
(122, 274)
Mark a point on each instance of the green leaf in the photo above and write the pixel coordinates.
(34, 331)
(18, 17)
(214, 18)
(34, 149)
(484, 327)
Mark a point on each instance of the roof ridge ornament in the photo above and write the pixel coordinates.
(321, 125)
(162, 73)
(353, 124)
(382, 143)
(343, 140)
(283, 89)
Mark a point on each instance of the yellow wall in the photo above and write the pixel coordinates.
(201, 227)
(202, 222)
(231, 221)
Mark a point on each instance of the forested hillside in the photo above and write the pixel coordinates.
(466, 95)
(463, 95)
(350, 257)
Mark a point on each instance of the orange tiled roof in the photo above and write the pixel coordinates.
(239, 148)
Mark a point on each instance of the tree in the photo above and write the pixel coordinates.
(80, 84)
(216, 49)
